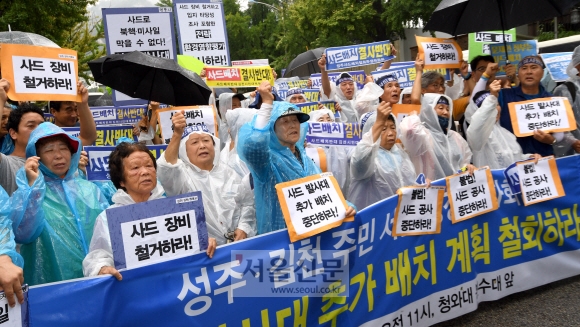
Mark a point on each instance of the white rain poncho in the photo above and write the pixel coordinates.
(433, 153)
(337, 157)
(367, 99)
(563, 91)
(225, 105)
(235, 120)
(223, 202)
(407, 90)
(492, 145)
(454, 91)
(100, 249)
(348, 107)
(377, 173)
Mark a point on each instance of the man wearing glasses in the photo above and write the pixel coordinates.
(72, 114)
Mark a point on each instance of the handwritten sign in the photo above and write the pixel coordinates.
(311, 205)
(308, 107)
(106, 135)
(546, 114)
(98, 167)
(312, 95)
(40, 73)
(194, 115)
(158, 230)
(333, 134)
(358, 55)
(439, 53)
(471, 195)
(18, 316)
(557, 63)
(240, 76)
(400, 111)
(418, 211)
(539, 182)
(358, 77)
(516, 52)
(318, 156)
(253, 62)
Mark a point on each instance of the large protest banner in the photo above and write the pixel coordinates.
(334, 134)
(557, 63)
(413, 280)
(516, 52)
(106, 135)
(406, 73)
(358, 76)
(358, 55)
(240, 76)
(98, 167)
(478, 43)
(149, 30)
(202, 31)
(40, 73)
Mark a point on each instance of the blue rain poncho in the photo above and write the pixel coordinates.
(54, 218)
(7, 145)
(377, 173)
(271, 163)
(7, 244)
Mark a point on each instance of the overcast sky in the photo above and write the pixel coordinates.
(96, 9)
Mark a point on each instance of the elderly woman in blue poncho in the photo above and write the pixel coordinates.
(54, 210)
(272, 145)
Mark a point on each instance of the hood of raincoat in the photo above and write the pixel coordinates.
(183, 152)
(371, 120)
(575, 61)
(406, 90)
(121, 198)
(225, 103)
(316, 114)
(237, 118)
(428, 115)
(46, 130)
(279, 108)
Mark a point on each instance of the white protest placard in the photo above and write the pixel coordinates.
(40, 73)
(439, 53)
(194, 115)
(539, 182)
(418, 211)
(253, 62)
(202, 31)
(16, 316)
(158, 230)
(471, 195)
(546, 114)
(311, 205)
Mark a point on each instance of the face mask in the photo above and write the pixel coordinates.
(444, 123)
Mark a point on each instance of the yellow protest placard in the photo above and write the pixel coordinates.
(546, 114)
(439, 52)
(311, 205)
(471, 195)
(239, 76)
(40, 73)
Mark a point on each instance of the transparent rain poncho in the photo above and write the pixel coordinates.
(348, 107)
(7, 243)
(337, 157)
(235, 120)
(53, 219)
(225, 105)
(271, 163)
(367, 100)
(223, 203)
(377, 173)
(433, 152)
(100, 249)
(492, 145)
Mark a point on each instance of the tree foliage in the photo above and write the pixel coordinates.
(84, 38)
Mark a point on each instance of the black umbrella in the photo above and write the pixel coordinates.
(457, 17)
(155, 79)
(305, 63)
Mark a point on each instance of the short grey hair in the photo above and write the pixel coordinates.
(430, 77)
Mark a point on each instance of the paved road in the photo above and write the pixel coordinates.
(556, 304)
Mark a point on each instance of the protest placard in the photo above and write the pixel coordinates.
(287, 83)
(106, 135)
(202, 31)
(311, 205)
(17, 316)
(516, 52)
(478, 43)
(148, 30)
(358, 77)
(471, 195)
(358, 55)
(546, 114)
(318, 156)
(194, 115)
(333, 134)
(253, 62)
(98, 167)
(40, 73)
(400, 111)
(308, 107)
(439, 53)
(418, 211)
(241, 76)
(111, 115)
(158, 230)
(557, 64)
(406, 73)
(312, 95)
(539, 182)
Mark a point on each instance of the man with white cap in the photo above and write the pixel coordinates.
(190, 164)
(571, 90)
(295, 95)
